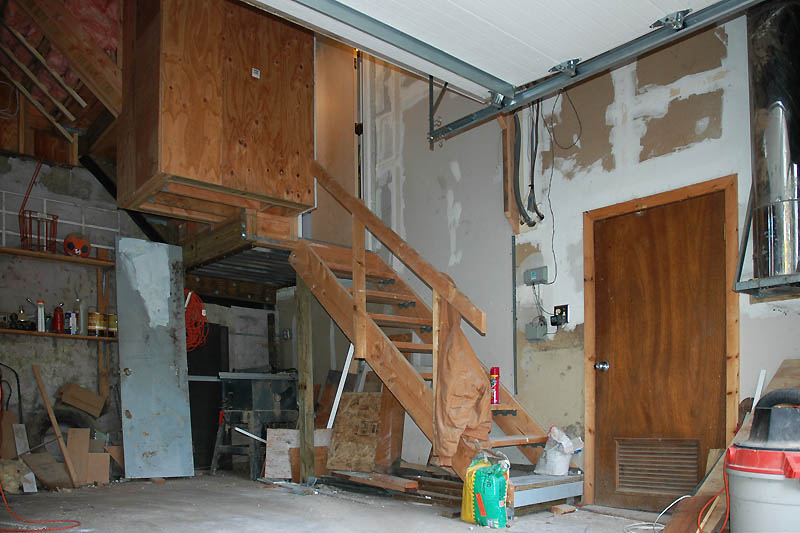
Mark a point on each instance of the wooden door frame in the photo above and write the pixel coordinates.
(728, 184)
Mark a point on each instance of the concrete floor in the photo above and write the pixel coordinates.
(227, 503)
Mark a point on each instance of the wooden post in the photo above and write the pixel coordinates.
(103, 351)
(438, 310)
(359, 289)
(305, 381)
(54, 423)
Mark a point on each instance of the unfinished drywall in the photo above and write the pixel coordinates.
(677, 117)
(446, 203)
(82, 205)
(335, 117)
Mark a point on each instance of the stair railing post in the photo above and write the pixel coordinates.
(439, 315)
(359, 289)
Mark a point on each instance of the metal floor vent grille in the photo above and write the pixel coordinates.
(657, 466)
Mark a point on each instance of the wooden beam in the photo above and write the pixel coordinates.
(305, 381)
(59, 437)
(39, 57)
(227, 239)
(89, 61)
(36, 104)
(243, 291)
(35, 79)
(590, 358)
(400, 248)
(510, 208)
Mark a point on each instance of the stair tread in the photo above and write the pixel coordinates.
(413, 347)
(399, 321)
(516, 440)
(504, 407)
(384, 297)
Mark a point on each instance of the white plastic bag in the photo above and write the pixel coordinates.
(557, 453)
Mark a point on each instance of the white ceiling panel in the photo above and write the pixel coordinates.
(516, 41)
(519, 40)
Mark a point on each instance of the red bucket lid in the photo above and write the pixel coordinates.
(773, 462)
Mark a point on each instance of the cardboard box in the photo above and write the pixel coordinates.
(82, 398)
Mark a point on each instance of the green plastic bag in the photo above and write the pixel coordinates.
(486, 492)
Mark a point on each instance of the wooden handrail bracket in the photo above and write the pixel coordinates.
(410, 257)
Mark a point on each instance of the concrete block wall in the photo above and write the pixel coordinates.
(82, 205)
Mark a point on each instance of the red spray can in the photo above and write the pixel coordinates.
(494, 382)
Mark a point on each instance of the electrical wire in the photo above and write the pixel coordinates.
(74, 523)
(654, 525)
(715, 496)
(196, 322)
(532, 154)
(8, 398)
(551, 127)
(5, 113)
(520, 207)
(19, 393)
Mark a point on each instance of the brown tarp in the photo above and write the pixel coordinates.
(462, 391)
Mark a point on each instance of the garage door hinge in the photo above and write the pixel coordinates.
(570, 66)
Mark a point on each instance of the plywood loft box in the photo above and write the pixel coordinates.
(218, 104)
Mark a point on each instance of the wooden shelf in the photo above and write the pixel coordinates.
(59, 335)
(85, 261)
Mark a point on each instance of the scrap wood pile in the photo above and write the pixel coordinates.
(85, 456)
(362, 452)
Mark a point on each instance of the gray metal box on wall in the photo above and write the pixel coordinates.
(156, 428)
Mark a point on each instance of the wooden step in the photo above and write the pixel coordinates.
(504, 407)
(412, 347)
(390, 298)
(396, 321)
(516, 440)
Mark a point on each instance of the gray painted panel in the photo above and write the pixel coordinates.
(156, 431)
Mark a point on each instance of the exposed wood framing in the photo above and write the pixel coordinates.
(510, 208)
(35, 79)
(225, 240)
(387, 362)
(39, 57)
(21, 88)
(242, 291)
(95, 68)
(728, 184)
(410, 257)
(305, 381)
(359, 289)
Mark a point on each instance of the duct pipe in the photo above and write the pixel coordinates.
(774, 38)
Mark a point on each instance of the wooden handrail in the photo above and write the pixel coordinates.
(400, 248)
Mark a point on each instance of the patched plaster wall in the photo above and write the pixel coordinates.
(678, 116)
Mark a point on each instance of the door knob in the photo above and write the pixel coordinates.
(602, 366)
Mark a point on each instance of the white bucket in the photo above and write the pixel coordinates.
(762, 503)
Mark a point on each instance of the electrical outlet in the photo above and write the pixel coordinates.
(560, 315)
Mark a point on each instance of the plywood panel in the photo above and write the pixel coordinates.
(268, 115)
(355, 433)
(145, 93)
(191, 88)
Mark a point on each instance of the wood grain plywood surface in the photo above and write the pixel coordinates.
(268, 114)
(191, 89)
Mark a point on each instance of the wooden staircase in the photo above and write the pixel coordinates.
(362, 313)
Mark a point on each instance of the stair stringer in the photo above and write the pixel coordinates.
(520, 424)
(383, 357)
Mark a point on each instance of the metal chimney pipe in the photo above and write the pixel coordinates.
(773, 31)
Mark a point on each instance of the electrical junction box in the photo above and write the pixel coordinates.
(535, 276)
(536, 330)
